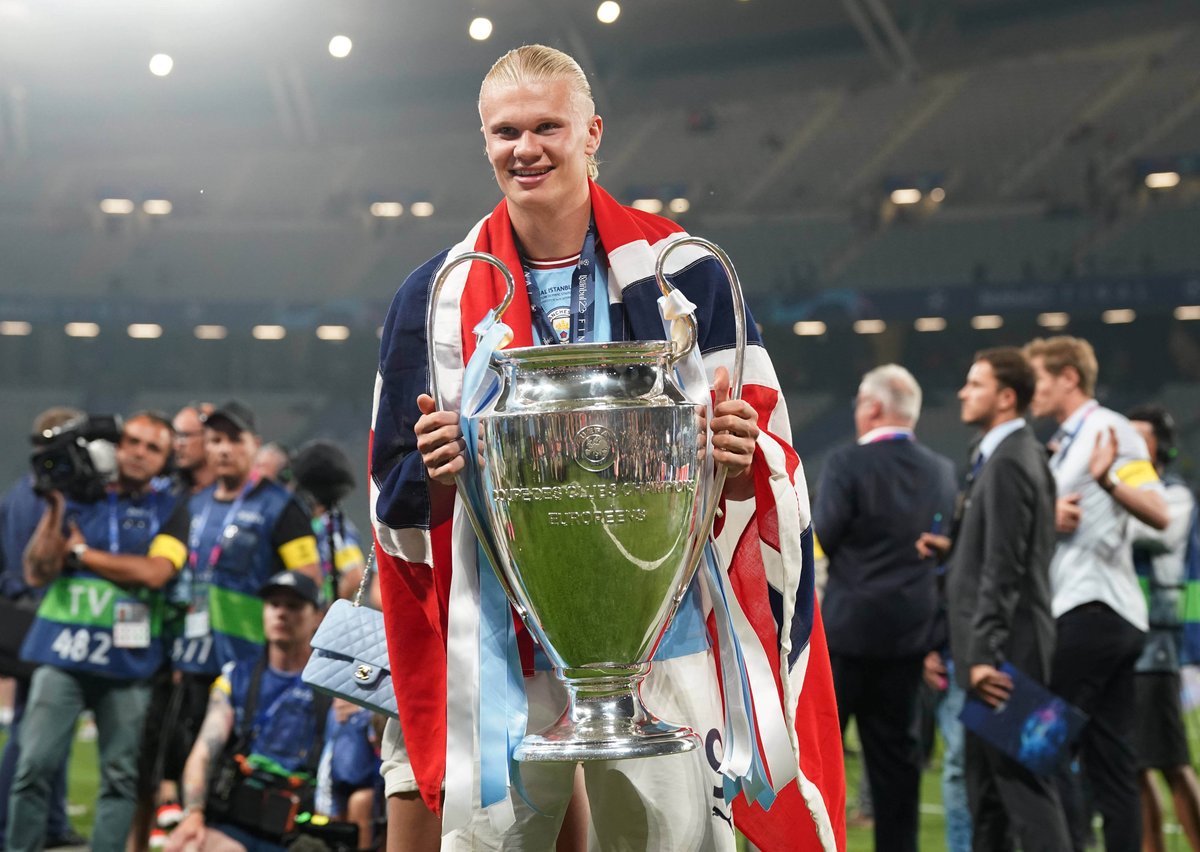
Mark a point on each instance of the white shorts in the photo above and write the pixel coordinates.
(663, 803)
(396, 770)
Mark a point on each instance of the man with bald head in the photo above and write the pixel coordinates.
(191, 456)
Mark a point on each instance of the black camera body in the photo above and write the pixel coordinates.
(261, 802)
(78, 458)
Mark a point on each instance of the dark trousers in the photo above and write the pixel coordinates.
(1093, 669)
(1008, 801)
(881, 695)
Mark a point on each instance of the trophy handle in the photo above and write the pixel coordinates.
(431, 308)
(739, 308)
(481, 531)
(735, 381)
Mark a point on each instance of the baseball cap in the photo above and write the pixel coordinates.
(236, 414)
(298, 584)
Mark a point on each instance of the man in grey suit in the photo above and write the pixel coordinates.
(998, 594)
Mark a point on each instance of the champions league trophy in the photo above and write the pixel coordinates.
(594, 499)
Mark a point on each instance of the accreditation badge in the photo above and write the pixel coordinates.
(195, 623)
(131, 624)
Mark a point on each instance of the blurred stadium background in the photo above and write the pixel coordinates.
(204, 199)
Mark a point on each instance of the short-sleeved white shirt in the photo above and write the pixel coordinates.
(1095, 563)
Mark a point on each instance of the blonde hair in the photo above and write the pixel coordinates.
(1058, 353)
(536, 63)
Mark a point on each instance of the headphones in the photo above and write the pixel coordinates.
(1163, 425)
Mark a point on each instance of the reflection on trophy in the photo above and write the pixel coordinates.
(597, 499)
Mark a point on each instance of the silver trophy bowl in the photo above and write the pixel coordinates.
(598, 496)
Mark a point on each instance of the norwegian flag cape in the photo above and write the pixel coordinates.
(765, 602)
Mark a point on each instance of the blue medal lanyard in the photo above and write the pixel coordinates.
(201, 524)
(1069, 439)
(114, 526)
(583, 308)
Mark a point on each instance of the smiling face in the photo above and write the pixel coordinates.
(538, 136)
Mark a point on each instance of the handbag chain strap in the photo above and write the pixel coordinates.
(362, 584)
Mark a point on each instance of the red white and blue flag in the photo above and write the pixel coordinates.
(766, 626)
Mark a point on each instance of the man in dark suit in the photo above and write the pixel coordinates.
(875, 499)
(998, 594)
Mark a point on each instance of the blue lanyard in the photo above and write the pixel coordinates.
(1069, 438)
(114, 530)
(201, 523)
(583, 311)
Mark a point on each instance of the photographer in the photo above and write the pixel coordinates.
(250, 773)
(104, 554)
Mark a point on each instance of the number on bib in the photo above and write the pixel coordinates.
(192, 650)
(74, 645)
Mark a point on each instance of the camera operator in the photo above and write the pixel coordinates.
(20, 510)
(250, 773)
(96, 636)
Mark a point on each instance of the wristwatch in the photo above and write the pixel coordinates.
(1110, 481)
(77, 551)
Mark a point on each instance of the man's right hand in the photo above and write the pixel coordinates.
(440, 441)
(1067, 514)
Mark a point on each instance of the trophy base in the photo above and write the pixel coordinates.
(614, 725)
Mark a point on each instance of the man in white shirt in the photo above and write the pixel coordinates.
(1104, 477)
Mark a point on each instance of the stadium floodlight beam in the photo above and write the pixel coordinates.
(340, 46)
(16, 328)
(1053, 319)
(986, 322)
(117, 206)
(161, 64)
(808, 328)
(269, 332)
(910, 195)
(81, 329)
(386, 209)
(1187, 312)
(679, 205)
(650, 205)
(1162, 180)
(480, 29)
(144, 330)
(421, 209)
(210, 332)
(869, 326)
(930, 324)
(608, 11)
(1118, 316)
(333, 332)
(157, 207)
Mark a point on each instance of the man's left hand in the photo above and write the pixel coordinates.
(734, 428)
(991, 684)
